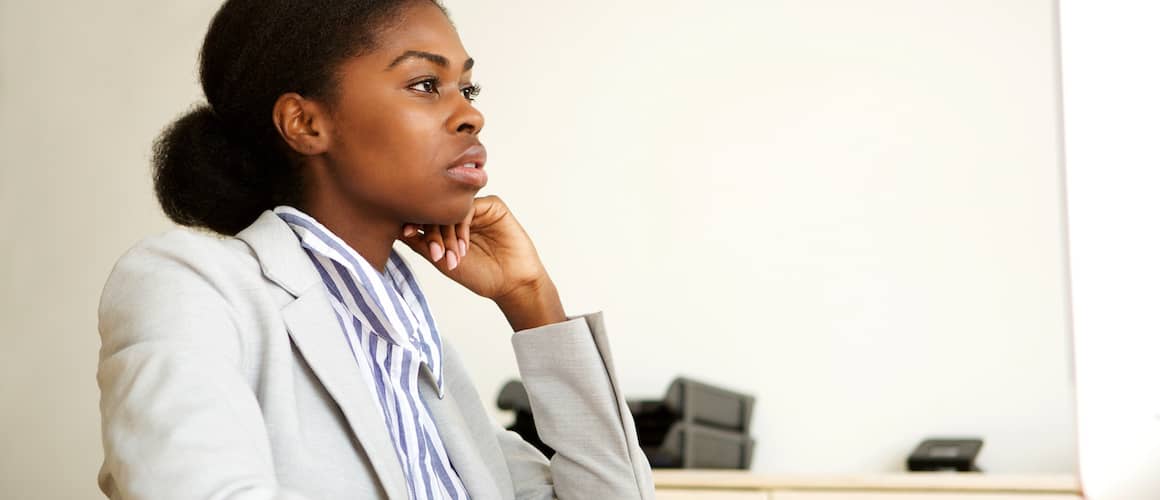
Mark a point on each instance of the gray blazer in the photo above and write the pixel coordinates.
(224, 375)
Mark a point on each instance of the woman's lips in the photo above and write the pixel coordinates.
(466, 174)
(468, 167)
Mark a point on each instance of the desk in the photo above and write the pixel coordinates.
(679, 484)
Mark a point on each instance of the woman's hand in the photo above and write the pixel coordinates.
(490, 254)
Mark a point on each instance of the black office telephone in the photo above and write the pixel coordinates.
(945, 454)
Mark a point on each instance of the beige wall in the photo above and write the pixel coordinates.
(847, 208)
(84, 87)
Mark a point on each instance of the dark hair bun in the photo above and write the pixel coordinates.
(203, 177)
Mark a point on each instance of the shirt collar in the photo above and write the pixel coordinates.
(410, 323)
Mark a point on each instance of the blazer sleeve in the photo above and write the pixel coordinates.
(581, 413)
(178, 418)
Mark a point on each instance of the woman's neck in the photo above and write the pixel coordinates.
(372, 237)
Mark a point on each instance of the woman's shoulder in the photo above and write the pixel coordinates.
(189, 249)
(180, 263)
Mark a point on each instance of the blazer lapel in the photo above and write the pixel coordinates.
(459, 441)
(316, 332)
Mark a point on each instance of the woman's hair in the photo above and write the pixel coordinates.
(222, 163)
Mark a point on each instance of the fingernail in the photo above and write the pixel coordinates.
(452, 261)
(462, 248)
(436, 251)
(409, 231)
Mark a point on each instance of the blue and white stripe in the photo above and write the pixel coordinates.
(390, 331)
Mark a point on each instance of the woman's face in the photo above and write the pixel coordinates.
(404, 127)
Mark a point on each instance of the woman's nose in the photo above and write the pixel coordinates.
(468, 120)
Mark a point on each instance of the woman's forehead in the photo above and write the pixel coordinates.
(423, 33)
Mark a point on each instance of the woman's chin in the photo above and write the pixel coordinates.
(451, 213)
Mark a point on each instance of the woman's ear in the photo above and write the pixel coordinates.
(303, 123)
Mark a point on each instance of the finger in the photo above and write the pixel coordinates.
(416, 237)
(462, 234)
(417, 243)
(435, 247)
(464, 230)
(452, 244)
(487, 210)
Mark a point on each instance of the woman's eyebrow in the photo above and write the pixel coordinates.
(435, 58)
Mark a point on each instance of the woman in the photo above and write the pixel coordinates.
(292, 355)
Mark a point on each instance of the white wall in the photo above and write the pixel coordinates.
(1111, 110)
(849, 209)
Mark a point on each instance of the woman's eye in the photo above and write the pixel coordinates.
(471, 92)
(431, 86)
(427, 86)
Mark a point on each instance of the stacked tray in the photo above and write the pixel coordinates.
(696, 425)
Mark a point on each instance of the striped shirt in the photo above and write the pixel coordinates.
(390, 332)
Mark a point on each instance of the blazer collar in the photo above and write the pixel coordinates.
(280, 254)
(283, 261)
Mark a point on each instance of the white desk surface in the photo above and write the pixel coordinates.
(918, 481)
